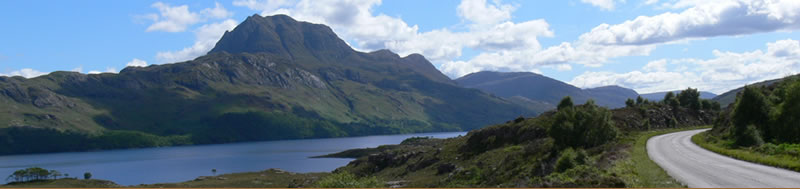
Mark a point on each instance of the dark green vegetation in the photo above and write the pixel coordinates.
(727, 98)
(541, 91)
(33, 174)
(689, 98)
(348, 180)
(761, 126)
(270, 78)
(658, 96)
(574, 146)
(64, 183)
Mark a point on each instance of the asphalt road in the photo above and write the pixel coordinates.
(699, 168)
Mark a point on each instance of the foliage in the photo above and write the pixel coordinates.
(33, 174)
(566, 102)
(87, 175)
(348, 180)
(630, 103)
(751, 112)
(768, 154)
(583, 126)
(570, 158)
(787, 120)
(690, 98)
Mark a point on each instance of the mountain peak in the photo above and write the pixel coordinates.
(284, 36)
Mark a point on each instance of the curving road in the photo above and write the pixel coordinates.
(699, 168)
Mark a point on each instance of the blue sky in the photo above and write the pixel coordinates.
(647, 45)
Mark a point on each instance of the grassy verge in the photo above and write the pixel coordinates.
(782, 161)
(638, 170)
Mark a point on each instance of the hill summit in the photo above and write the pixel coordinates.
(269, 78)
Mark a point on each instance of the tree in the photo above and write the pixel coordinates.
(690, 98)
(583, 126)
(566, 102)
(639, 100)
(752, 110)
(629, 103)
(87, 175)
(716, 106)
(669, 96)
(214, 171)
(55, 174)
(705, 104)
(787, 122)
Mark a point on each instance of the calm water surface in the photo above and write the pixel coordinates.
(177, 164)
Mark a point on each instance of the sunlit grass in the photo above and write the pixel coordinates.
(747, 154)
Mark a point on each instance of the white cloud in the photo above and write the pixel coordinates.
(656, 65)
(108, 70)
(266, 6)
(179, 18)
(650, 2)
(205, 38)
(483, 14)
(728, 70)
(603, 4)
(136, 63)
(727, 18)
(490, 31)
(25, 72)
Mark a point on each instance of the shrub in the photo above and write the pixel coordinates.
(752, 109)
(566, 102)
(630, 103)
(584, 126)
(348, 180)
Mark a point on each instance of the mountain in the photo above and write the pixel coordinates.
(269, 78)
(729, 97)
(659, 96)
(542, 89)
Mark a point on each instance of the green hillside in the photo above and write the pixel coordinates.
(270, 78)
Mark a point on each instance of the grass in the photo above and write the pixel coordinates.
(64, 183)
(746, 154)
(272, 178)
(639, 170)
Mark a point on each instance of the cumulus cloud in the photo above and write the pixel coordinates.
(724, 18)
(25, 72)
(490, 31)
(108, 70)
(603, 4)
(179, 18)
(726, 71)
(136, 63)
(482, 13)
(263, 5)
(206, 37)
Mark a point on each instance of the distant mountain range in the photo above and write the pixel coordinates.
(533, 89)
(659, 96)
(269, 78)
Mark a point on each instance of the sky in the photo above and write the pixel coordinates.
(646, 45)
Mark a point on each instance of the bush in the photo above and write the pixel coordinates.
(566, 102)
(348, 180)
(583, 126)
(570, 158)
(787, 121)
(752, 110)
(630, 103)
